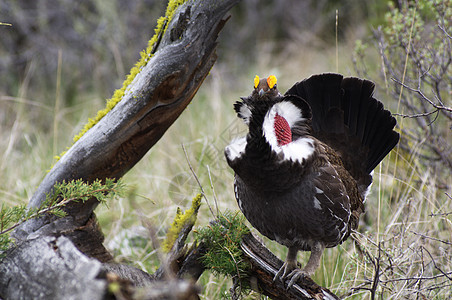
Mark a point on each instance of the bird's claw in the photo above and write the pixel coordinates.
(285, 270)
(291, 273)
(296, 275)
(279, 275)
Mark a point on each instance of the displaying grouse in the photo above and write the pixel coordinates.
(303, 171)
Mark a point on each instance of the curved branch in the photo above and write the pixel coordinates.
(151, 103)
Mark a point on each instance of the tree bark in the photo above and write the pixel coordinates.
(152, 102)
(50, 268)
(265, 265)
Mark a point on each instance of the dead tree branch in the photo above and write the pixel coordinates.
(182, 58)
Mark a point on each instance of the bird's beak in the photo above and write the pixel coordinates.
(261, 92)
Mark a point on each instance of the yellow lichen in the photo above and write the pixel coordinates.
(145, 55)
(188, 218)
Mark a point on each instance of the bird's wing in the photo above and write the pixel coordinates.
(332, 198)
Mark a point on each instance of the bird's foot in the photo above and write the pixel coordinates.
(290, 271)
(295, 275)
(284, 271)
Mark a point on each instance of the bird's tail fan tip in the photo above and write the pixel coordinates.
(367, 119)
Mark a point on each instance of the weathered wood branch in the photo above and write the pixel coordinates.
(151, 103)
(265, 265)
(50, 268)
(154, 99)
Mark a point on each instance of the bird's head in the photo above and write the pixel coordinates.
(277, 124)
(265, 88)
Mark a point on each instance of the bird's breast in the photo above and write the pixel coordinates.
(293, 217)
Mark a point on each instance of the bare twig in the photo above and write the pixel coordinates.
(445, 32)
(430, 238)
(440, 214)
(197, 180)
(415, 278)
(376, 280)
(417, 115)
(436, 266)
(164, 263)
(420, 93)
(213, 191)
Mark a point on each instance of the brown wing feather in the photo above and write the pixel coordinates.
(351, 189)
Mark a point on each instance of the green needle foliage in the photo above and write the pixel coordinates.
(64, 193)
(222, 239)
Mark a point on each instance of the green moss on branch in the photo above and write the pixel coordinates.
(145, 56)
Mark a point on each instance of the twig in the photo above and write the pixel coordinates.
(436, 267)
(197, 180)
(237, 268)
(213, 191)
(440, 214)
(418, 278)
(417, 115)
(165, 265)
(376, 279)
(43, 211)
(420, 281)
(445, 32)
(430, 238)
(420, 93)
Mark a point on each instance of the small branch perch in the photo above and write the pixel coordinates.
(265, 265)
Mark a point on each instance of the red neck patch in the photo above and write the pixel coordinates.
(282, 131)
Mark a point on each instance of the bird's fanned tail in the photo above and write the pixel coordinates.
(348, 118)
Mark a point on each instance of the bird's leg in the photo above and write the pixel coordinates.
(289, 265)
(311, 266)
(314, 259)
(289, 269)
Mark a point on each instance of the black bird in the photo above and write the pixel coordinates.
(304, 169)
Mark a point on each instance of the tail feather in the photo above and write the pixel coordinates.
(344, 111)
(320, 87)
(381, 150)
(379, 136)
(355, 90)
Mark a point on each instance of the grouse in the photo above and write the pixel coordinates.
(304, 169)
